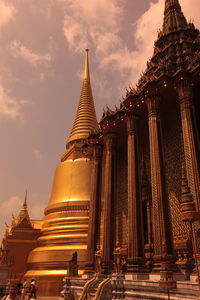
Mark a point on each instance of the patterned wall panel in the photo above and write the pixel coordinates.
(121, 202)
(174, 156)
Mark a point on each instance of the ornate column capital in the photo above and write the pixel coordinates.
(97, 152)
(132, 124)
(110, 142)
(184, 88)
(153, 104)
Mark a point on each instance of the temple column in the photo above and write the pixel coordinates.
(160, 210)
(135, 232)
(146, 202)
(107, 198)
(185, 95)
(93, 213)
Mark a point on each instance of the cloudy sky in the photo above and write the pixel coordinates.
(41, 63)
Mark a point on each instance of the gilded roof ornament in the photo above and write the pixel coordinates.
(86, 120)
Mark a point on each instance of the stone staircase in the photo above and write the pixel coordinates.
(95, 290)
(92, 288)
(98, 287)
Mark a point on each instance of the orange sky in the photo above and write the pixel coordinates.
(41, 65)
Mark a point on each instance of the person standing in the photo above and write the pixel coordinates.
(24, 289)
(32, 290)
(12, 294)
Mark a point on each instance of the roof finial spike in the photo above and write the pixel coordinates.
(86, 69)
(25, 199)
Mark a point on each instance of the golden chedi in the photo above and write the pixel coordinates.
(65, 225)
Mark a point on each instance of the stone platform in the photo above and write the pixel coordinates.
(120, 287)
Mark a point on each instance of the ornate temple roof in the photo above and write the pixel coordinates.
(86, 120)
(175, 50)
(173, 17)
(23, 219)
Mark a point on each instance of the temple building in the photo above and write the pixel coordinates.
(19, 239)
(126, 194)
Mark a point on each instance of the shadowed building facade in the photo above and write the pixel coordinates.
(131, 182)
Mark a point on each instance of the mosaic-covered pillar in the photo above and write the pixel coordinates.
(93, 214)
(135, 232)
(160, 210)
(190, 139)
(107, 199)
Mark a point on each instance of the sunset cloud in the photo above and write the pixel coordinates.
(19, 50)
(8, 208)
(95, 22)
(9, 107)
(37, 153)
(100, 23)
(6, 13)
(37, 211)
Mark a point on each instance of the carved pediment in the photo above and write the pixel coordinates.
(24, 223)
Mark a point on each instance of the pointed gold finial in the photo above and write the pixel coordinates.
(86, 68)
(86, 120)
(25, 200)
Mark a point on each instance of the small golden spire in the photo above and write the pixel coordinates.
(86, 120)
(25, 200)
(86, 69)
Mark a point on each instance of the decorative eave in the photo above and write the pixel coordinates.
(112, 122)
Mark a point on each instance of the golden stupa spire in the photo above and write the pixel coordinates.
(25, 201)
(86, 120)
